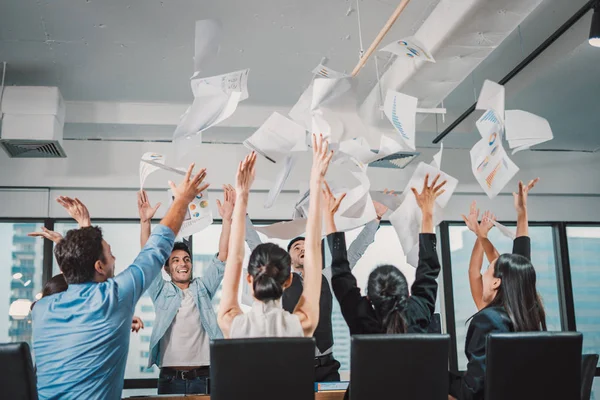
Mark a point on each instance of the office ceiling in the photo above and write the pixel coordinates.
(140, 51)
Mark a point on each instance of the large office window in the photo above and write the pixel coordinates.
(21, 260)
(543, 259)
(124, 239)
(584, 257)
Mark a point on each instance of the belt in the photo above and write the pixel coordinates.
(324, 360)
(186, 375)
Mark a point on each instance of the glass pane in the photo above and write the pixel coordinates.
(584, 252)
(542, 253)
(21, 264)
(124, 239)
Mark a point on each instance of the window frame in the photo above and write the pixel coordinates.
(561, 251)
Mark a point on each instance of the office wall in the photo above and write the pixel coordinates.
(105, 175)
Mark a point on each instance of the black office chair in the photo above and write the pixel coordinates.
(408, 366)
(588, 370)
(264, 368)
(533, 365)
(17, 379)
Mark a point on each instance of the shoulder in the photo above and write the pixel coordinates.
(492, 318)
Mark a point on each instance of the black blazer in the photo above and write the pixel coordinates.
(471, 385)
(358, 311)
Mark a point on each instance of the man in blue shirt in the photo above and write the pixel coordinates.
(185, 318)
(81, 336)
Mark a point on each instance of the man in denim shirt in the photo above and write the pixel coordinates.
(81, 335)
(185, 318)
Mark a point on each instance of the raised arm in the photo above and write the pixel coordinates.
(76, 209)
(136, 279)
(229, 306)
(481, 230)
(307, 308)
(520, 200)
(226, 213)
(366, 236)
(424, 288)
(146, 212)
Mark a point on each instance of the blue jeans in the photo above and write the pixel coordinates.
(172, 385)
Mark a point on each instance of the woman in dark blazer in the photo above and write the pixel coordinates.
(388, 308)
(508, 299)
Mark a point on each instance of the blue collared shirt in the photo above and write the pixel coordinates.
(81, 336)
(167, 297)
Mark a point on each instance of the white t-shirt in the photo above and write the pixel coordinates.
(266, 319)
(185, 344)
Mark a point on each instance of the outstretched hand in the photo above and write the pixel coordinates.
(472, 221)
(76, 209)
(190, 187)
(145, 209)
(429, 193)
(380, 209)
(330, 204)
(48, 234)
(226, 208)
(520, 198)
(487, 223)
(136, 324)
(245, 174)
(321, 157)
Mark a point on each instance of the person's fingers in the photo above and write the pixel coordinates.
(415, 192)
(188, 173)
(172, 186)
(425, 182)
(219, 204)
(339, 200)
(156, 207)
(438, 187)
(435, 180)
(203, 188)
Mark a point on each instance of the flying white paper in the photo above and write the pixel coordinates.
(328, 106)
(198, 216)
(276, 138)
(412, 258)
(146, 169)
(326, 72)
(524, 129)
(489, 123)
(491, 166)
(282, 177)
(208, 109)
(207, 39)
(437, 158)
(286, 230)
(492, 97)
(390, 201)
(407, 219)
(409, 47)
(401, 110)
(229, 83)
(505, 231)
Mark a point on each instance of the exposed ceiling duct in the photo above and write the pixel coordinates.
(460, 34)
(32, 122)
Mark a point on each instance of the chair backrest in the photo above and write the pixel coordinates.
(408, 366)
(17, 379)
(588, 371)
(263, 368)
(533, 365)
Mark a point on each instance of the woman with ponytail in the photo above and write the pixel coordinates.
(269, 268)
(388, 307)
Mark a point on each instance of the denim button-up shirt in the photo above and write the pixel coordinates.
(167, 297)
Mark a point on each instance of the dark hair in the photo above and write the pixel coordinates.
(56, 284)
(270, 267)
(517, 293)
(388, 292)
(294, 240)
(178, 246)
(77, 253)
